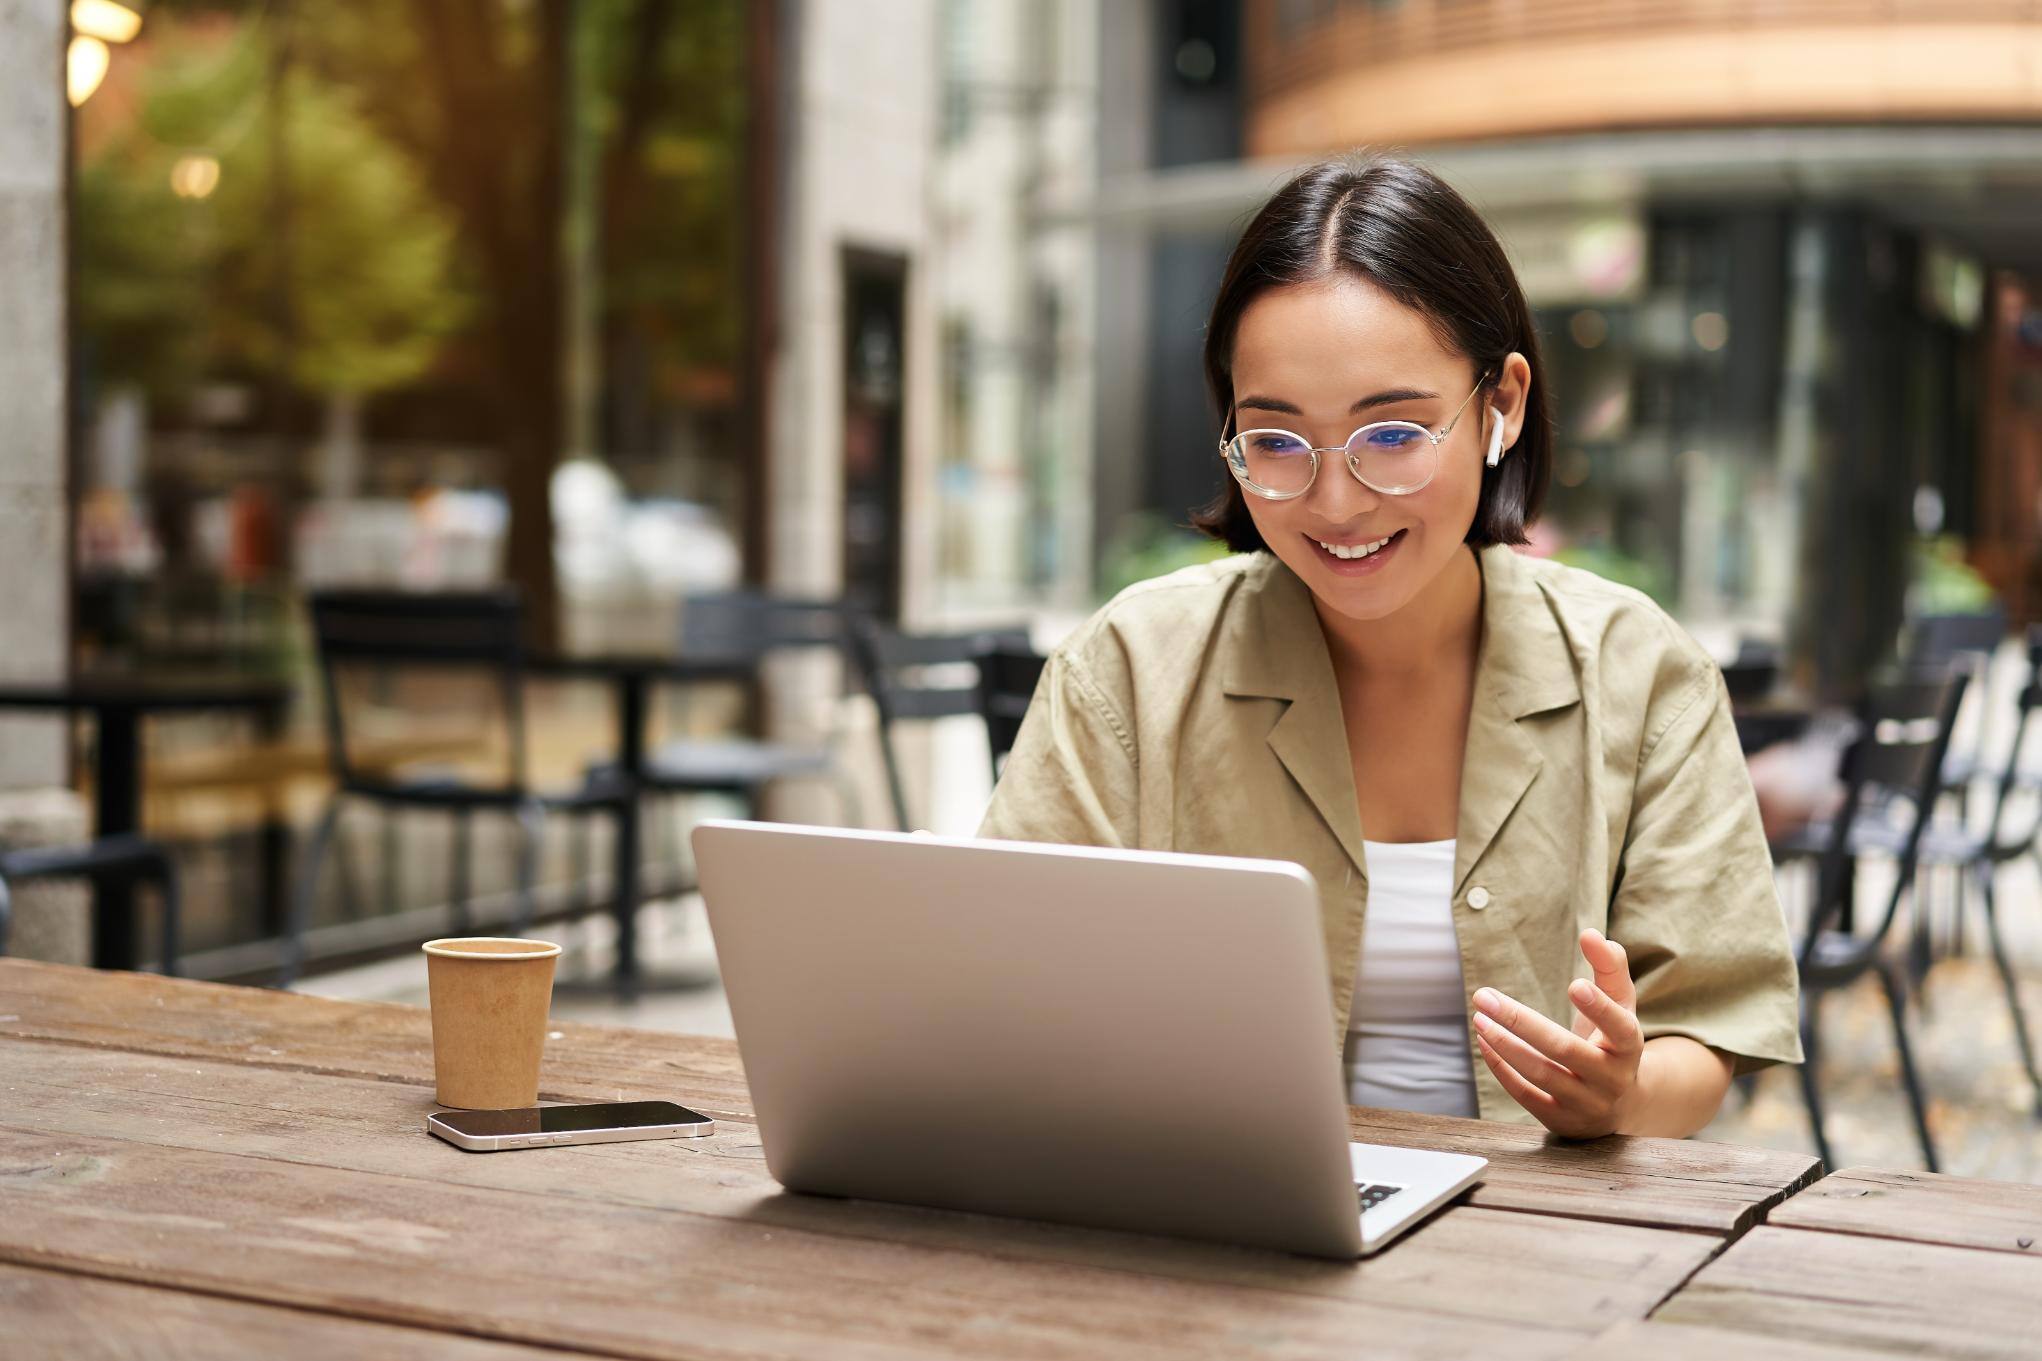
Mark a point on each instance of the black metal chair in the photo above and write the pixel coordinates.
(1753, 673)
(745, 628)
(1897, 753)
(126, 859)
(1007, 677)
(1933, 640)
(1978, 855)
(469, 637)
(915, 677)
(1930, 641)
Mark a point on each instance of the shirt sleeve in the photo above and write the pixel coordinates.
(1070, 778)
(1695, 907)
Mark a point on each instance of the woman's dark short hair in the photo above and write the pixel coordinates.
(1403, 229)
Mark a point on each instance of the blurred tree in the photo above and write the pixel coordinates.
(178, 255)
(474, 90)
(672, 109)
(656, 228)
(142, 266)
(402, 163)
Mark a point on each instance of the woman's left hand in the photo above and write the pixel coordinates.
(1579, 1082)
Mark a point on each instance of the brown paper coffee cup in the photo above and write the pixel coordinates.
(489, 1002)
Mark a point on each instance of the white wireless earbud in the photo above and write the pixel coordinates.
(1495, 455)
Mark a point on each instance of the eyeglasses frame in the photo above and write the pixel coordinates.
(1347, 448)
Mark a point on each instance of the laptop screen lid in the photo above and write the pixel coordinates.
(1124, 1039)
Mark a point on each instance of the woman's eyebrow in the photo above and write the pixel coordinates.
(1387, 397)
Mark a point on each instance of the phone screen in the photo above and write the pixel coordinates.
(572, 1119)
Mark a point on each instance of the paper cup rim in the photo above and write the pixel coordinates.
(547, 949)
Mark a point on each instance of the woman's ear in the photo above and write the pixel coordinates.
(1511, 396)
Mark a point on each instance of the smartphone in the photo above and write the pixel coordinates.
(608, 1122)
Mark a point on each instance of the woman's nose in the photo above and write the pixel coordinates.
(1337, 494)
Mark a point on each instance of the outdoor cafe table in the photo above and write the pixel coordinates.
(201, 1170)
(118, 703)
(632, 678)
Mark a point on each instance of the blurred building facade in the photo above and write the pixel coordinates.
(931, 357)
(1780, 254)
(1018, 136)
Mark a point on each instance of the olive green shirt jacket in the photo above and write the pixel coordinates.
(1603, 786)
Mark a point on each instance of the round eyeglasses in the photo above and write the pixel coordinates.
(1395, 458)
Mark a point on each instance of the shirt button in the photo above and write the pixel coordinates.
(1478, 898)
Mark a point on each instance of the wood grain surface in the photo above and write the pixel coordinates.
(60, 1314)
(1923, 1207)
(1652, 1340)
(188, 1169)
(1671, 1183)
(641, 1281)
(262, 1160)
(1877, 1296)
(378, 1127)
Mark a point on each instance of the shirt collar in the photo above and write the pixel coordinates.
(1273, 648)
(1276, 649)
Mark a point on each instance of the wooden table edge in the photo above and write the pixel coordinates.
(107, 1277)
(185, 1283)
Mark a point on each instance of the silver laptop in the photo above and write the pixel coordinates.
(1122, 1039)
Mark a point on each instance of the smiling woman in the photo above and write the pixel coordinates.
(1517, 785)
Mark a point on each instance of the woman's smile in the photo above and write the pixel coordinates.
(1356, 557)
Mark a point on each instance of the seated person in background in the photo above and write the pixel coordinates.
(1796, 780)
(1544, 887)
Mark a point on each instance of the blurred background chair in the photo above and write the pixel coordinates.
(747, 628)
(919, 677)
(126, 859)
(1007, 677)
(1902, 737)
(1933, 640)
(430, 660)
(1754, 673)
(1976, 855)
(1970, 639)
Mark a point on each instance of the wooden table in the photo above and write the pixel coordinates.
(194, 1169)
(1909, 1263)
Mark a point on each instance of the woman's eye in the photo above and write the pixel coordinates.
(1394, 438)
(1267, 443)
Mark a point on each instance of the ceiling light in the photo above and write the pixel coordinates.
(105, 20)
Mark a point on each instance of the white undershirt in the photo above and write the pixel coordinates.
(1407, 1035)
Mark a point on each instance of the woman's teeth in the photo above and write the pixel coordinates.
(1355, 550)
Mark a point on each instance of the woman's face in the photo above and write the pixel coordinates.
(1325, 358)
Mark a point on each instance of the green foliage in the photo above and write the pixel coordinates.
(143, 266)
(371, 296)
(1147, 545)
(665, 99)
(1943, 582)
(1613, 564)
(670, 110)
(327, 263)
